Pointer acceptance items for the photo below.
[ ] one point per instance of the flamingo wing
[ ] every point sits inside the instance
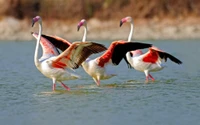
(78, 52)
(121, 49)
(49, 49)
(58, 42)
(165, 55)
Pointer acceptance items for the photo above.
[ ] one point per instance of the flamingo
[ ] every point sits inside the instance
(54, 65)
(97, 68)
(150, 61)
(83, 23)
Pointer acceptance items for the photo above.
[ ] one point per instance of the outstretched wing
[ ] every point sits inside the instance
(165, 55)
(91, 48)
(78, 52)
(121, 49)
(58, 42)
(49, 49)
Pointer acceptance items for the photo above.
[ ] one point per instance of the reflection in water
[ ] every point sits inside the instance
(73, 92)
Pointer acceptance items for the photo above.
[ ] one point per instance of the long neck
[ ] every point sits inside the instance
(128, 56)
(85, 34)
(85, 63)
(36, 60)
(131, 32)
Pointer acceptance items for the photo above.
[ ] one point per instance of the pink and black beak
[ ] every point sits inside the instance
(35, 19)
(81, 23)
(33, 22)
(78, 27)
(121, 23)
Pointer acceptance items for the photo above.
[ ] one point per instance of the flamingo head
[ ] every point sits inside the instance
(126, 19)
(81, 23)
(35, 19)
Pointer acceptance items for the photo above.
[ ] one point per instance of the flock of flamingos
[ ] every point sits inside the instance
(55, 65)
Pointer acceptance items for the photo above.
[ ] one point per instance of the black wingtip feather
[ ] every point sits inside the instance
(164, 55)
(57, 43)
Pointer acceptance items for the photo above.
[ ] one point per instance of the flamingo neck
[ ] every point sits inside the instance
(131, 32)
(85, 63)
(85, 34)
(36, 60)
(128, 54)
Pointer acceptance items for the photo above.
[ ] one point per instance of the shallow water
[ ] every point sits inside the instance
(173, 99)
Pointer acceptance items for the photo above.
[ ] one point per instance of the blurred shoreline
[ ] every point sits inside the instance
(152, 29)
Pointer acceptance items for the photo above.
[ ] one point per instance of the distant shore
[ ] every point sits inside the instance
(154, 29)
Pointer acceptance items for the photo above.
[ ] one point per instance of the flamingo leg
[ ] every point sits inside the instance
(54, 87)
(146, 72)
(147, 79)
(54, 84)
(66, 87)
(97, 82)
(151, 77)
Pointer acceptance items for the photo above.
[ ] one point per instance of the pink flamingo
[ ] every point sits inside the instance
(147, 62)
(53, 65)
(97, 68)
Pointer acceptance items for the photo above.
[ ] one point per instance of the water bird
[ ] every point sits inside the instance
(97, 68)
(150, 61)
(54, 65)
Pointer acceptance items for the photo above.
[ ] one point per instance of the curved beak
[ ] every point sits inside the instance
(33, 22)
(121, 22)
(78, 27)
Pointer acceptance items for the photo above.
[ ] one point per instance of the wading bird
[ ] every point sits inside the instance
(54, 65)
(150, 61)
(97, 68)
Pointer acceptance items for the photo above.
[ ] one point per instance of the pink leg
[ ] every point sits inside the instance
(98, 82)
(66, 87)
(147, 79)
(54, 87)
(151, 77)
